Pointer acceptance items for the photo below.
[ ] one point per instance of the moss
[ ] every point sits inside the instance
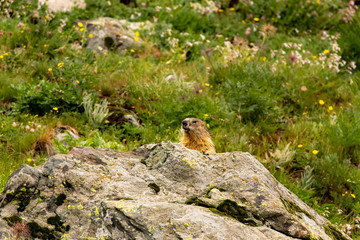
(192, 201)
(155, 187)
(334, 233)
(12, 220)
(23, 203)
(214, 210)
(58, 223)
(232, 209)
(41, 232)
(293, 208)
(60, 199)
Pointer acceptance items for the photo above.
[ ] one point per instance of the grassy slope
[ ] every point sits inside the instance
(267, 78)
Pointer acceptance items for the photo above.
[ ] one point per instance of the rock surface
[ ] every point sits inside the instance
(158, 191)
(62, 5)
(107, 33)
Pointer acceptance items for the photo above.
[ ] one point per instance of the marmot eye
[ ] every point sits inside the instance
(195, 122)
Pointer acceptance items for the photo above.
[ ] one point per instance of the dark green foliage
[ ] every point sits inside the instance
(351, 48)
(302, 15)
(44, 96)
(252, 91)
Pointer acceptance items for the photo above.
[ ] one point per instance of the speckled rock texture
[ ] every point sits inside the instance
(109, 33)
(158, 191)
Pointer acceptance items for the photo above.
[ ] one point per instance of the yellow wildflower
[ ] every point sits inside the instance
(132, 50)
(256, 19)
(55, 109)
(207, 85)
(1, 56)
(91, 36)
(331, 108)
(314, 57)
(264, 58)
(6, 54)
(29, 159)
(248, 58)
(200, 91)
(220, 10)
(80, 24)
(300, 146)
(326, 51)
(45, 45)
(136, 39)
(206, 115)
(315, 152)
(61, 64)
(318, 1)
(232, 9)
(81, 29)
(50, 69)
(321, 102)
(137, 34)
(353, 195)
(77, 81)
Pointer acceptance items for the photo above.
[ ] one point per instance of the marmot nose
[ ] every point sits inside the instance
(184, 123)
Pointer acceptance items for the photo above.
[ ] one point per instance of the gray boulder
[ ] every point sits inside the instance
(158, 191)
(109, 33)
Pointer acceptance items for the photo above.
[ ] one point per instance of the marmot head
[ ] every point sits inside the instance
(194, 126)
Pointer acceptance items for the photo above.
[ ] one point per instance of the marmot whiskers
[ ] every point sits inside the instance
(196, 136)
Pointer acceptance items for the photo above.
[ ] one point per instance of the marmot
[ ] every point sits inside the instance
(196, 136)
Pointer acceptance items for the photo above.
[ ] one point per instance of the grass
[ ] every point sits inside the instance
(284, 89)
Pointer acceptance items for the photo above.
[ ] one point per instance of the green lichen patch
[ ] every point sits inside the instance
(293, 208)
(11, 220)
(155, 187)
(211, 187)
(334, 233)
(60, 199)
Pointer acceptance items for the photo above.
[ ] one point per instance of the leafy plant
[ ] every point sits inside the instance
(96, 113)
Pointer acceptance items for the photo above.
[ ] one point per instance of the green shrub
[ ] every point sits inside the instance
(351, 48)
(46, 97)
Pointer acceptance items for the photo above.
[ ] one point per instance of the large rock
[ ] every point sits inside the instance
(109, 33)
(159, 191)
(62, 5)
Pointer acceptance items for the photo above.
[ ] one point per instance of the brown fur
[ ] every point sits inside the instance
(196, 136)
